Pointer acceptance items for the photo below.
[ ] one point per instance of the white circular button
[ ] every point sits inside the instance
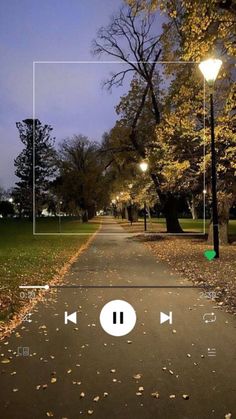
(118, 318)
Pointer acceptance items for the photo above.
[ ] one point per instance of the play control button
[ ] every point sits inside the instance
(117, 318)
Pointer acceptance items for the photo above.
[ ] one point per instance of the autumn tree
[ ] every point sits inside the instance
(192, 31)
(131, 37)
(82, 184)
(174, 147)
(190, 35)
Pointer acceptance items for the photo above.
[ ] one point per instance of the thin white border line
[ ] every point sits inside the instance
(113, 62)
(204, 156)
(128, 234)
(33, 154)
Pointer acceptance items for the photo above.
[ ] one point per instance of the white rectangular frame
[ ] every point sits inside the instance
(99, 233)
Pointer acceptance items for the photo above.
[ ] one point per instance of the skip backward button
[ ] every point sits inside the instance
(70, 317)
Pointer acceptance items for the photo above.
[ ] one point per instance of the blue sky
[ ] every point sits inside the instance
(69, 97)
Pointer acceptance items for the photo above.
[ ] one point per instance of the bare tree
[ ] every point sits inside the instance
(131, 39)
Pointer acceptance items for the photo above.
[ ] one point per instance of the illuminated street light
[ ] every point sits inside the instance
(143, 166)
(210, 69)
(10, 200)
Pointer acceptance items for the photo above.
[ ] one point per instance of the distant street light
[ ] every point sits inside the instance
(10, 200)
(210, 69)
(144, 166)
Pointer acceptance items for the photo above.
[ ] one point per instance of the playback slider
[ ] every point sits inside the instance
(44, 287)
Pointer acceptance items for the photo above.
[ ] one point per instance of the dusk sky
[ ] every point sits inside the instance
(68, 96)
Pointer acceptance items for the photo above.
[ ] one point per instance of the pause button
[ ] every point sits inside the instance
(117, 318)
(121, 317)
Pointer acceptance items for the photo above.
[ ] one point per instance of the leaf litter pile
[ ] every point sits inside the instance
(186, 256)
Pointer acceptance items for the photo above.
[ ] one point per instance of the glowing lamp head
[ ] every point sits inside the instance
(143, 166)
(210, 69)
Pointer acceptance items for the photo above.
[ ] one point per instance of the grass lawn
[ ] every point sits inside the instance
(28, 259)
(195, 225)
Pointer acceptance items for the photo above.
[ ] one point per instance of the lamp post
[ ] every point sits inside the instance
(210, 69)
(144, 166)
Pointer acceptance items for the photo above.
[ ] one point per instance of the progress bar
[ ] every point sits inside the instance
(47, 287)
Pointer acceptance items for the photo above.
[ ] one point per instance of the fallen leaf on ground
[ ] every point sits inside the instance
(155, 394)
(5, 361)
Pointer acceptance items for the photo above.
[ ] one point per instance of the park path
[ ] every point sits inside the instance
(70, 365)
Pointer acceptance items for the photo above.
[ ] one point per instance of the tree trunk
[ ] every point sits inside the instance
(91, 212)
(85, 216)
(169, 206)
(223, 232)
(192, 205)
(170, 211)
(224, 205)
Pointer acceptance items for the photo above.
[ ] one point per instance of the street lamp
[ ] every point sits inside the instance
(210, 69)
(144, 166)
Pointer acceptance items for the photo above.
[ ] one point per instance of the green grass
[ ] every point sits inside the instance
(62, 225)
(195, 225)
(29, 259)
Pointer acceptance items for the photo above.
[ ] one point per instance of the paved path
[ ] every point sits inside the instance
(171, 359)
